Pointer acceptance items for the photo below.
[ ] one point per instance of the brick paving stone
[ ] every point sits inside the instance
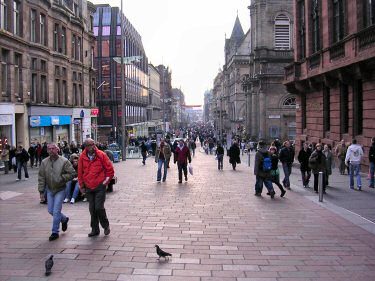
(213, 225)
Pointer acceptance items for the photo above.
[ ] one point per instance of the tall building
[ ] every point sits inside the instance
(154, 106)
(48, 78)
(333, 74)
(165, 94)
(107, 29)
(270, 107)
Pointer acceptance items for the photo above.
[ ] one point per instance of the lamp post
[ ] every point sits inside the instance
(123, 108)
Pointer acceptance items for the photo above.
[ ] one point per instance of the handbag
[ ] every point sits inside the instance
(190, 169)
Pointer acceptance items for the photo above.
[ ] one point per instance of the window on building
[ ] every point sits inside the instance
(326, 109)
(338, 14)
(106, 30)
(16, 18)
(42, 30)
(274, 132)
(57, 70)
(34, 78)
(33, 26)
(358, 107)
(43, 89)
(282, 32)
(63, 40)
(4, 15)
(56, 38)
(57, 92)
(34, 64)
(106, 91)
(18, 76)
(344, 108)
(290, 102)
(80, 95)
(105, 69)
(302, 29)
(79, 51)
(91, 23)
(43, 65)
(368, 12)
(315, 19)
(92, 57)
(292, 132)
(5, 75)
(75, 94)
(64, 72)
(73, 47)
(64, 93)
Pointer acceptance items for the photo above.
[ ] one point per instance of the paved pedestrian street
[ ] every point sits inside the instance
(214, 226)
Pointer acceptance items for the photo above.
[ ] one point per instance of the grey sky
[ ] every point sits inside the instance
(187, 36)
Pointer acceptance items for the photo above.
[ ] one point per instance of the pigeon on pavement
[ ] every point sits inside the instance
(161, 253)
(49, 264)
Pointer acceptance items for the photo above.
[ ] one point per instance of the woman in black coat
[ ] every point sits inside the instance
(234, 155)
(317, 163)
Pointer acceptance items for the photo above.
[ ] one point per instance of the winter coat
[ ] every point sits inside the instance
(354, 154)
(287, 155)
(22, 156)
(5, 155)
(92, 173)
(182, 155)
(55, 175)
(340, 151)
(371, 155)
(31, 151)
(234, 154)
(329, 162)
(219, 150)
(143, 148)
(43, 152)
(167, 152)
(317, 162)
(258, 166)
(303, 159)
(275, 162)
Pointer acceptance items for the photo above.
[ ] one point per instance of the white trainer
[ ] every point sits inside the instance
(66, 200)
(72, 201)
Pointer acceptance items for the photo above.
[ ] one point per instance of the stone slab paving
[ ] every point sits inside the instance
(213, 225)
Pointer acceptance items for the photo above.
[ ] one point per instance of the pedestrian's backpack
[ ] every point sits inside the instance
(267, 163)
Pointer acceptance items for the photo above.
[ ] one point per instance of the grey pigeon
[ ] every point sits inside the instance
(49, 264)
(161, 253)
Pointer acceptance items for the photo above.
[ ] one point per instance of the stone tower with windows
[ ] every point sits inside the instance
(270, 108)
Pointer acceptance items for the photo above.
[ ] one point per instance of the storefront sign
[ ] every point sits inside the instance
(55, 120)
(35, 121)
(82, 114)
(95, 112)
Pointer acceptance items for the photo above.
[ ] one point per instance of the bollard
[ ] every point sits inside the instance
(248, 152)
(320, 186)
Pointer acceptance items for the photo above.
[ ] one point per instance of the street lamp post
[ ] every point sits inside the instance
(123, 109)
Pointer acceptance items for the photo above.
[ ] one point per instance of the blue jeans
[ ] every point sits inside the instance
(220, 161)
(287, 168)
(193, 149)
(259, 184)
(144, 156)
(372, 168)
(19, 166)
(68, 189)
(55, 202)
(305, 174)
(354, 170)
(162, 162)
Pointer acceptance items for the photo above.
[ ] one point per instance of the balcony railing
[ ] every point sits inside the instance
(337, 51)
(366, 37)
(314, 60)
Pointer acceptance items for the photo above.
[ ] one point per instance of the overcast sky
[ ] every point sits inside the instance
(187, 36)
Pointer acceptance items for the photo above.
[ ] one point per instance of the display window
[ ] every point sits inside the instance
(41, 134)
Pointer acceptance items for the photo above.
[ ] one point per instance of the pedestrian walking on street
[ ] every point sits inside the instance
(144, 152)
(95, 171)
(234, 155)
(32, 153)
(275, 173)
(5, 158)
(317, 163)
(44, 152)
(371, 158)
(54, 172)
(340, 152)
(22, 157)
(182, 156)
(38, 155)
(12, 159)
(354, 155)
(329, 162)
(163, 154)
(263, 174)
(303, 158)
(287, 159)
(220, 155)
(193, 147)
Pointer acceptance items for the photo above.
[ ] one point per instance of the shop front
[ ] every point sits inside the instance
(7, 129)
(49, 129)
(84, 124)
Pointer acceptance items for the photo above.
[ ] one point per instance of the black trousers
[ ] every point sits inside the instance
(182, 166)
(96, 198)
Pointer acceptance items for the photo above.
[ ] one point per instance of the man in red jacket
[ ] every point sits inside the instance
(181, 155)
(95, 170)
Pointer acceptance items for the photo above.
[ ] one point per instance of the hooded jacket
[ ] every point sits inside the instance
(354, 154)
(92, 173)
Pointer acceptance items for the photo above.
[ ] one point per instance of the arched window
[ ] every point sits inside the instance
(290, 102)
(282, 32)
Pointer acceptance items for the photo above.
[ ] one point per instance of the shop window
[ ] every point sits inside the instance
(274, 132)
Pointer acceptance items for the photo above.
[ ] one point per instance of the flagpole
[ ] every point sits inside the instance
(123, 109)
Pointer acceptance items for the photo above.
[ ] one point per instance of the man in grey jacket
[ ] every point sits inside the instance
(54, 172)
(262, 177)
